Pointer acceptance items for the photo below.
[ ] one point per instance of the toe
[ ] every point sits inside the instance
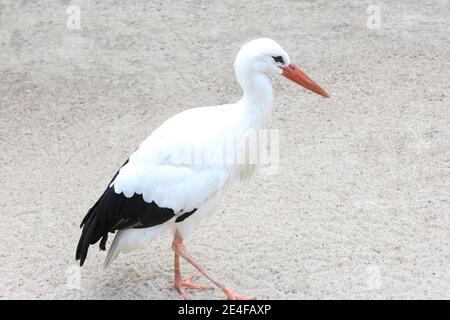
(183, 293)
(181, 284)
(191, 285)
(231, 295)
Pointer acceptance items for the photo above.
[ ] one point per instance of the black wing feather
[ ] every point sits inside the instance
(113, 212)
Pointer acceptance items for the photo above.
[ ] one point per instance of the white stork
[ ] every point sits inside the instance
(157, 189)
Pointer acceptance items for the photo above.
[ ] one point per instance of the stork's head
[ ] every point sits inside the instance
(266, 56)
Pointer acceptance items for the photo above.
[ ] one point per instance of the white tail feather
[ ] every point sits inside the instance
(128, 240)
(113, 251)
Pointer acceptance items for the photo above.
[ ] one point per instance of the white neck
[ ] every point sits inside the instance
(257, 97)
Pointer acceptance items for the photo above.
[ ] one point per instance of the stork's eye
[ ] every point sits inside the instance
(278, 59)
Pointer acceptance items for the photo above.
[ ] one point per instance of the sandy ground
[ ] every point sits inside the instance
(359, 209)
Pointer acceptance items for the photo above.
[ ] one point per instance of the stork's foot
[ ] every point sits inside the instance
(231, 295)
(181, 284)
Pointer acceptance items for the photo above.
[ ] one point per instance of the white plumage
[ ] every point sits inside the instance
(177, 166)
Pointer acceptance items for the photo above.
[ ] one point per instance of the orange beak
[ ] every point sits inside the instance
(292, 72)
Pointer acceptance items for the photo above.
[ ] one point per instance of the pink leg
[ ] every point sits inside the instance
(179, 249)
(181, 284)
